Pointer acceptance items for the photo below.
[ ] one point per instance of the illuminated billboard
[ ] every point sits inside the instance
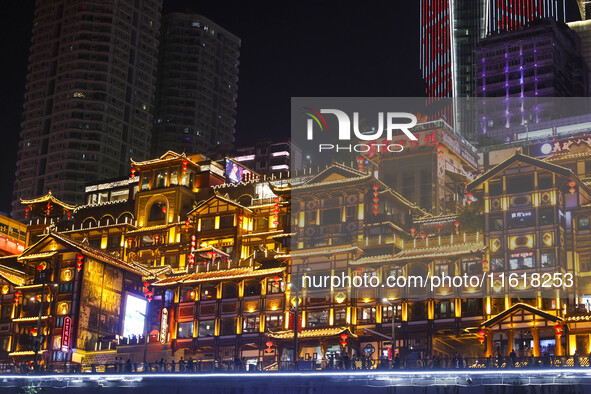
(135, 315)
(234, 171)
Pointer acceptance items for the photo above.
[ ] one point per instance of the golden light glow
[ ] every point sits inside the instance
(5, 289)
(63, 308)
(340, 297)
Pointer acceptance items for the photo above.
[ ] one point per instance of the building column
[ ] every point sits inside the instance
(489, 343)
(510, 336)
(558, 346)
(535, 332)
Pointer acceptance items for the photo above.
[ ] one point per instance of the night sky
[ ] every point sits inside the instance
(289, 49)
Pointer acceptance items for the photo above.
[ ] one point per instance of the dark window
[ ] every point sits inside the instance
(331, 216)
(496, 223)
(228, 327)
(546, 216)
(520, 184)
(251, 324)
(472, 307)
(67, 287)
(583, 223)
(544, 182)
(227, 221)
(521, 219)
(157, 212)
(207, 224)
(495, 188)
(274, 323)
(229, 290)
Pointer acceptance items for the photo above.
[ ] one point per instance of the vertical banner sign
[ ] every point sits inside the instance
(66, 334)
(164, 326)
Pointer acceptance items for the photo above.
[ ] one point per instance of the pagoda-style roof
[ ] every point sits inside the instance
(521, 158)
(168, 157)
(340, 175)
(313, 333)
(41, 248)
(228, 274)
(11, 274)
(48, 198)
(520, 308)
(217, 197)
(406, 255)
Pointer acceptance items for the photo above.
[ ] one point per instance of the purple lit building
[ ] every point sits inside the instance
(541, 60)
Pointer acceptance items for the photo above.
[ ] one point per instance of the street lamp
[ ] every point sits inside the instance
(393, 327)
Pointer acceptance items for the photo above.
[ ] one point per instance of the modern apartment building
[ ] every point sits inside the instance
(89, 95)
(197, 86)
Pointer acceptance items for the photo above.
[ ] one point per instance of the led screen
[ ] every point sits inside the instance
(135, 316)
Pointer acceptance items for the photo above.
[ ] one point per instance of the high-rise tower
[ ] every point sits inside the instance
(89, 95)
(197, 86)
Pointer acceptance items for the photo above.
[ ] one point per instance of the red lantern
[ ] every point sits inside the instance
(375, 187)
(276, 279)
(187, 224)
(26, 212)
(457, 226)
(481, 333)
(344, 337)
(69, 215)
(40, 267)
(276, 200)
(375, 211)
(413, 231)
(17, 296)
(269, 344)
(33, 332)
(423, 235)
(572, 189)
(133, 170)
(79, 258)
(344, 343)
(185, 162)
(149, 295)
(481, 339)
(360, 163)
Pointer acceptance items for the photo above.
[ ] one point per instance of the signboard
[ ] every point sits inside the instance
(66, 334)
(164, 326)
(291, 320)
(369, 349)
(135, 316)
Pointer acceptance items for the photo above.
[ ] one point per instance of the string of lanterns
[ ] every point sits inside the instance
(375, 199)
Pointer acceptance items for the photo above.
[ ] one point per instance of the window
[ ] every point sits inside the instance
(311, 218)
(443, 269)
(520, 184)
(471, 306)
(340, 316)
(317, 318)
(274, 323)
(229, 290)
(583, 223)
(495, 188)
(157, 212)
(275, 286)
(472, 267)
(185, 330)
(497, 264)
(331, 216)
(351, 213)
(251, 324)
(546, 216)
(547, 259)
(521, 219)
(161, 179)
(227, 221)
(207, 224)
(252, 288)
(366, 314)
(496, 223)
(174, 177)
(544, 182)
(518, 261)
(228, 326)
(444, 309)
(67, 287)
(206, 328)
(208, 292)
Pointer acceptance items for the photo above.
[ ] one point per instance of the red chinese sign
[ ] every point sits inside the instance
(66, 334)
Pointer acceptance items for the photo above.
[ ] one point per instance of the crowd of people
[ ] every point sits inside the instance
(331, 362)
